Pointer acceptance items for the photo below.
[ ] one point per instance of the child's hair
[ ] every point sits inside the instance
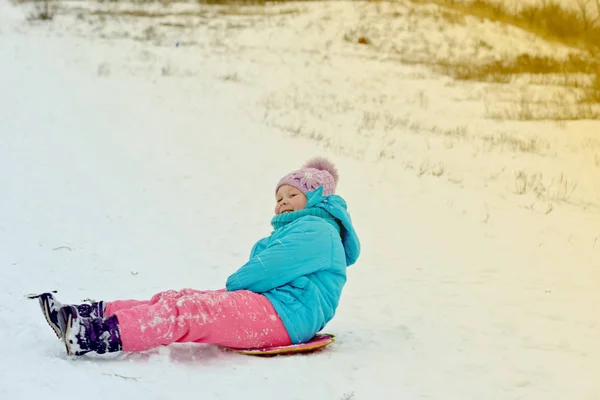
(317, 172)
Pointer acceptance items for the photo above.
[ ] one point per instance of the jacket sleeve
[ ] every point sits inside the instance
(307, 248)
(258, 247)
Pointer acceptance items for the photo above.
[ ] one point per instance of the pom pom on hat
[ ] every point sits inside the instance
(323, 164)
(317, 172)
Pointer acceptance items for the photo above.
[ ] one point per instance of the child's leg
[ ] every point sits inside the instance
(117, 305)
(240, 319)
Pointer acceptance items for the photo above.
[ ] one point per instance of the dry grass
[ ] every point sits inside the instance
(231, 77)
(533, 145)
(527, 105)
(579, 27)
(258, 11)
(436, 170)
(547, 18)
(243, 2)
(232, 8)
(207, 2)
(526, 111)
(559, 189)
(593, 91)
(145, 13)
(502, 71)
(43, 10)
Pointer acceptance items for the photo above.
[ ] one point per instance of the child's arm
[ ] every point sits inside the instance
(306, 249)
(258, 247)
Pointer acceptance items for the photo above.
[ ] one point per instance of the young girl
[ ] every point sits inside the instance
(286, 293)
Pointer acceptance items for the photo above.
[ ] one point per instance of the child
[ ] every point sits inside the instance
(286, 293)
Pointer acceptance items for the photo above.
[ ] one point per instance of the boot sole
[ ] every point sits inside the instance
(46, 312)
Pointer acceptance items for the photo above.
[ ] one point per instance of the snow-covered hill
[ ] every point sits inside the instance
(139, 154)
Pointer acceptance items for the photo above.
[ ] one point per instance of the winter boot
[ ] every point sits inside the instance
(82, 335)
(50, 307)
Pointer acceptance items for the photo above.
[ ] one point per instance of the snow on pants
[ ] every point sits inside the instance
(239, 319)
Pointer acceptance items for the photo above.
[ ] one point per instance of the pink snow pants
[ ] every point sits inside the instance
(240, 319)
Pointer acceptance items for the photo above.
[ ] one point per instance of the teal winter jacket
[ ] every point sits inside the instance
(301, 266)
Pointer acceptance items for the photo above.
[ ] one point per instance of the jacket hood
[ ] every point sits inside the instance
(336, 206)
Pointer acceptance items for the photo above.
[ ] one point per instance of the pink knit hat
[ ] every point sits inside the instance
(316, 172)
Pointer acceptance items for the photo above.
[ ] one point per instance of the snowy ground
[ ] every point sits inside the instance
(131, 165)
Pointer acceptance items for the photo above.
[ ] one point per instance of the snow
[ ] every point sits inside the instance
(131, 166)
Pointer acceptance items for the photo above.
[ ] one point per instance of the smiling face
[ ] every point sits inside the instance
(289, 199)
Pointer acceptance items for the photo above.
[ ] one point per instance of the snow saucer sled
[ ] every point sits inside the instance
(319, 341)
